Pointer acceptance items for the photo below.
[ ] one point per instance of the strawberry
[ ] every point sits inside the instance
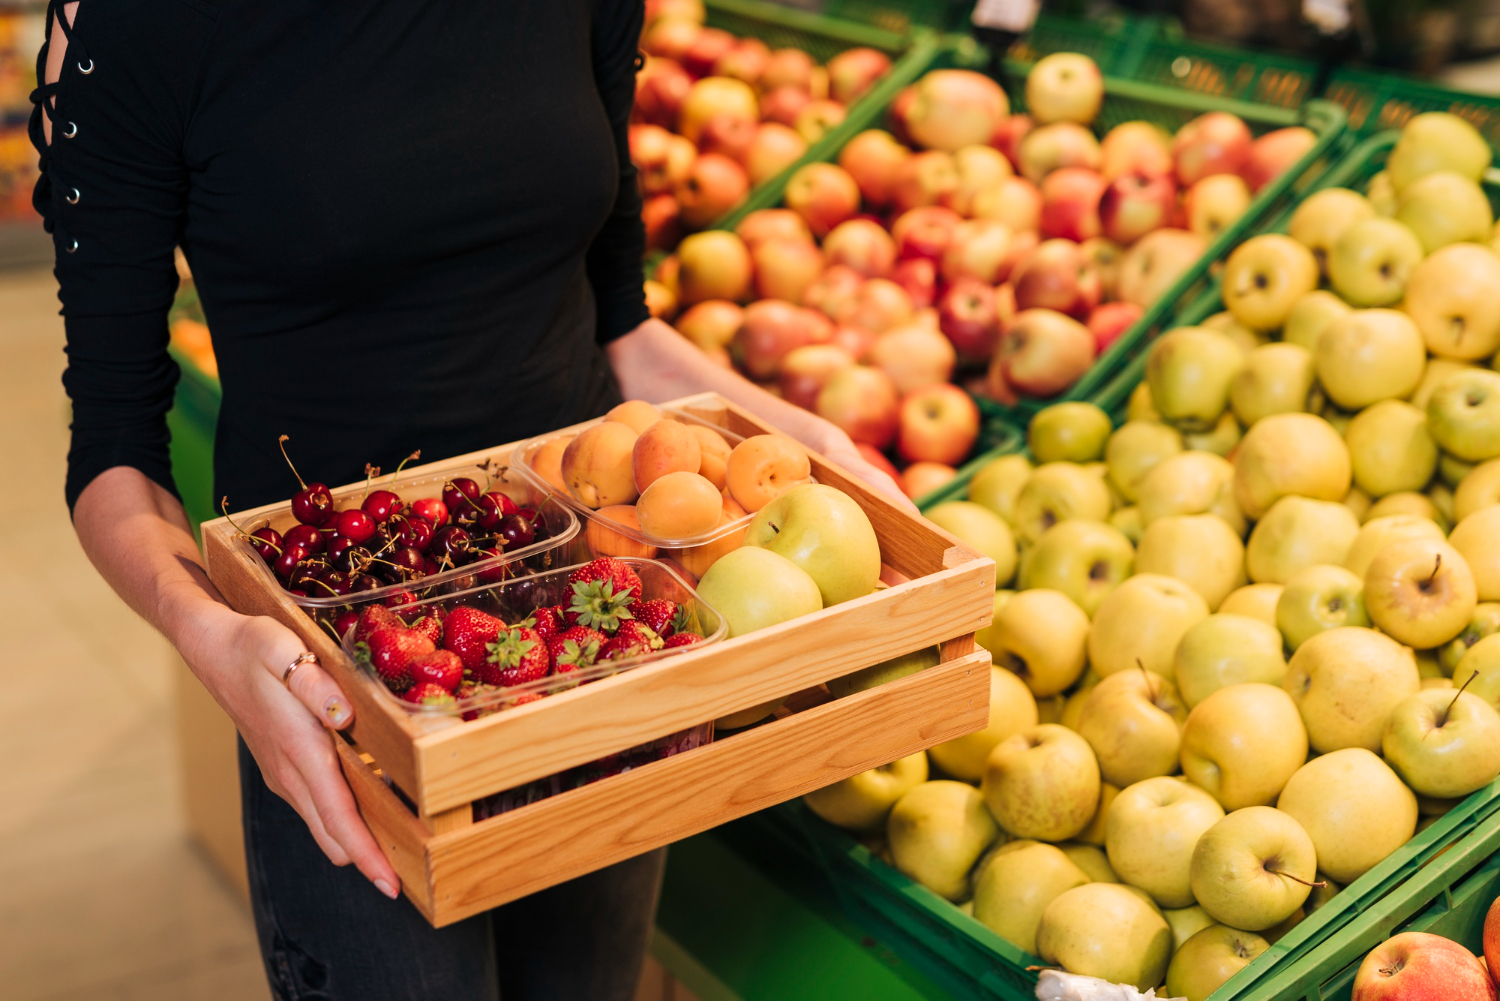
(430, 626)
(658, 613)
(621, 647)
(469, 632)
(375, 617)
(638, 632)
(603, 592)
(441, 668)
(522, 699)
(548, 621)
(391, 651)
(681, 639)
(575, 648)
(429, 694)
(517, 656)
(608, 569)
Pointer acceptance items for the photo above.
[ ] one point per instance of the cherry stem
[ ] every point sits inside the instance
(472, 502)
(1436, 566)
(410, 458)
(331, 631)
(325, 584)
(1442, 720)
(252, 539)
(370, 473)
(1320, 884)
(281, 443)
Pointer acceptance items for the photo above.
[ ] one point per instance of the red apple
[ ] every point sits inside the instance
(862, 402)
(774, 148)
(1070, 204)
(925, 178)
(924, 232)
(1154, 263)
(921, 478)
(937, 424)
(1491, 940)
(728, 135)
(710, 265)
(817, 119)
(914, 356)
(661, 302)
(1136, 203)
(706, 50)
(823, 194)
(771, 224)
(900, 111)
(660, 88)
(1274, 153)
(1105, 256)
(1043, 352)
(1135, 148)
(805, 370)
(1109, 321)
(771, 328)
(1215, 143)
(834, 291)
(853, 72)
(789, 68)
(1057, 276)
(876, 458)
(1007, 138)
(857, 341)
(861, 245)
(1015, 201)
(967, 315)
(711, 324)
(873, 158)
(955, 108)
(662, 160)
(878, 305)
(1416, 966)
(980, 248)
(783, 104)
(690, 10)
(670, 36)
(918, 276)
(715, 185)
(661, 215)
(713, 96)
(1053, 147)
(745, 61)
(785, 269)
(981, 169)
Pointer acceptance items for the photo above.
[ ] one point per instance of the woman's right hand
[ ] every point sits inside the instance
(287, 729)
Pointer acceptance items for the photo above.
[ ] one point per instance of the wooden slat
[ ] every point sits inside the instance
(400, 834)
(519, 853)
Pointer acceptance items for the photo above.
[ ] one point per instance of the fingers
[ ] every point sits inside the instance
(339, 816)
(321, 695)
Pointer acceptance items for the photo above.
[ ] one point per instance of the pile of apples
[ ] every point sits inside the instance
(1012, 247)
(715, 115)
(1255, 644)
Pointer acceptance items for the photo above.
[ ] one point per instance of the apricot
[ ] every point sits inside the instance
(697, 559)
(605, 541)
(678, 506)
(546, 460)
(763, 467)
(667, 446)
(596, 465)
(713, 454)
(637, 415)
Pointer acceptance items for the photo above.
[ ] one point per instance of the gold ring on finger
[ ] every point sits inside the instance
(305, 657)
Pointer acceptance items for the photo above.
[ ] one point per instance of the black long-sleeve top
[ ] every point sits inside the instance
(412, 224)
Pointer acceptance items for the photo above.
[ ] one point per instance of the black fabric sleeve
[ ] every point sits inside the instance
(112, 193)
(614, 258)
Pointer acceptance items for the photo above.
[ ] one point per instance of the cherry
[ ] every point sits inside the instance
(335, 581)
(286, 563)
(496, 574)
(337, 547)
(269, 546)
(453, 542)
(492, 507)
(400, 598)
(306, 536)
(430, 566)
(356, 525)
(381, 504)
(414, 531)
(459, 494)
(313, 504)
(364, 582)
(306, 576)
(407, 559)
(432, 509)
(516, 531)
(344, 621)
(529, 513)
(466, 517)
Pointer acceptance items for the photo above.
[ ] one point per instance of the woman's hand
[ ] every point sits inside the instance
(653, 362)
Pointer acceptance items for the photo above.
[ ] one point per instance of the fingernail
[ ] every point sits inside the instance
(336, 711)
(385, 888)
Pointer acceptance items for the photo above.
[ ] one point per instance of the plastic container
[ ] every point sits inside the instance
(562, 527)
(517, 598)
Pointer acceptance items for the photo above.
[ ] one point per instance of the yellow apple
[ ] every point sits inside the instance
(1189, 371)
(1443, 743)
(1391, 449)
(1477, 539)
(1139, 407)
(1225, 650)
(1258, 601)
(1312, 314)
(1407, 502)
(998, 483)
(1264, 277)
(1319, 598)
(1297, 533)
(1242, 743)
(1133, 721)
(1353, 807)
(1484, 622)
(1479, 488)
(1345, 682)
(1420, 592)
(1134, 449)
(1377, 533)
(1140, 623)
(1276, 379)
(1127, 520)
(1042, 783)
(936, 832)
(1068, 432)
(1322, 218)
(1478, 671)
(1085, 560)
(1057, 492)
(1253, 869)
(1464, 414)
(1091, 859)
(982, 529)
(822, 530)
(1372, 260)
(754, 588)
(1094, 833)
(1450, 298)
(1205, 962)
(1041, 636)
(1012, 709)
(1433, 375)
(1199, 549)
(1152, 829)
(1434, 141)
(1220, 440)
(1368, 356)
(1290, 454)
(1190, 483)
(1107, 931)
(862, 802)
(1017, 883)
(1444, 208)
(1186, 922)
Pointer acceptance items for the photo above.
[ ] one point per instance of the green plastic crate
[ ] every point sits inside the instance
(1377, 100)
(893, 15)
(1107, 40)
(1263, 76)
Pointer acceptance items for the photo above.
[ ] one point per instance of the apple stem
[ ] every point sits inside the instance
(410, 458)
(1150, 688)
(281, 443)
(1443, 719)
(1436, 566)
(254, 540)
(370, 473)
(1320, 884)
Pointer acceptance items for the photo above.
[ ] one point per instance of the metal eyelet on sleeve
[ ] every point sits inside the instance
(72, 246)
(73, 198)
(90, 69)
(70, 131)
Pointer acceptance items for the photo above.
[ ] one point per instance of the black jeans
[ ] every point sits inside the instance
(326, 934)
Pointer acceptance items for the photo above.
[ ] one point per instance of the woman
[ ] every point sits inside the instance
(412, 225)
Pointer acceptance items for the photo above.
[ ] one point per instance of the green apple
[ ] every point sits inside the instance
(1016, 885)
(1377, 533)
(1322, 218)
(1449, 297)
(1206, 961)
(1127, 520)
(1041, 636)
(984, 530)
(1345, 682)
(1258, 601)
(1443, 743)
(1012, 709)
(1368, 356)
(1091, 859)
(1464, 414)
(862, 802)
(1220, 440)
(1434, 141)
(936, 832)
(1290, 454)
(1140, 406)
(1185, 922)
(1264, 277)
(998, 483)
(1297, 533)
(1243, 337)
(873, 677)
(1391, 448)
(1478, 488)
(1453, 471)
(1433, 375)
(1372, 260)
(753, 588)
(1133, 721)
(1312, 314)
(1444, 208)
(1478, 671)
(1275, 932)
(1198, 549)
(1190, 483)
(1152, 829)
(1140, 623)
(1042, 783)
(826, 533)
(1355, 809)
(1242, 743)
(1085, 560)
(1225, 650)
(1189, 371)
(1407, 502)
(1057, 492)
(1319, 598)
(1477, 539)
(1276, 379)
(1134, 449)
(1252, 869)
(1068, 432)
(1094, 833)
(1484, 622)
(1420, 592)
(1107, 931)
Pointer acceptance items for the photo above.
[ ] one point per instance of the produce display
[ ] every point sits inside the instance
(716, 115)
(1254, 641)
(1000, 251)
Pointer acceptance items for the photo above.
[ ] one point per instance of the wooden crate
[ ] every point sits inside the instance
(452, 867)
